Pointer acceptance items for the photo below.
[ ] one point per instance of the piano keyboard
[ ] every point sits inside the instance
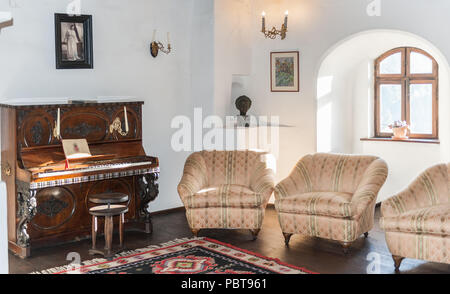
(95, 168)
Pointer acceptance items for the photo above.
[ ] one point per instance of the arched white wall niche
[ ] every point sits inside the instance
(345, 89)
(239, 87)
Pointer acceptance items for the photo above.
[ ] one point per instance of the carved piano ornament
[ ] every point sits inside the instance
(47, 202)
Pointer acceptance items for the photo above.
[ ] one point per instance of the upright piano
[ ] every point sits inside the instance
(48, 200)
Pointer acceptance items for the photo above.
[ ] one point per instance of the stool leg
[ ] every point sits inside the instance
(108, 235)
(122, 220)
(94, 231)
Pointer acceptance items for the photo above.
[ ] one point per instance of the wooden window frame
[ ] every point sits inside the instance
(405, 79)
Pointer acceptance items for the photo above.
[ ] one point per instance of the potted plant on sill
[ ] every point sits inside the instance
(400, 130)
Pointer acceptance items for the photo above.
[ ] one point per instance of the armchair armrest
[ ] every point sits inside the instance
(263, 180)
(393, 206)
(298, 181)
(195, 176)
(372, 181)
(430, 188)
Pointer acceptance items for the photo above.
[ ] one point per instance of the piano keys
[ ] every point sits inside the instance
(47, 202)
(58, 175)
(97, 167)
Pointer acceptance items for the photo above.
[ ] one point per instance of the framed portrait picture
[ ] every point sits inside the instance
(73, 41)
(284, 67)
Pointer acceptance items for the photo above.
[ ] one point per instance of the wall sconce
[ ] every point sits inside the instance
(274, 32)
(156, 46)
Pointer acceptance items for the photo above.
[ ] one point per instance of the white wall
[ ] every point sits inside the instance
(349, 67)
(170, 85)
(202, 55)
(315, 26)
(232, 49)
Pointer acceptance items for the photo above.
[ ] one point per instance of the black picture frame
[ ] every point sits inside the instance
(81, 53)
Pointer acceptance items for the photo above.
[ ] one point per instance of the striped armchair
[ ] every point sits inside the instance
(417, 220)
(330, 196)
(226, 189)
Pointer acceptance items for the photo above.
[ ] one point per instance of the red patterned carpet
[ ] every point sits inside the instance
(185, 256)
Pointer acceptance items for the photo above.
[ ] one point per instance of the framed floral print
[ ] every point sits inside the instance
(73, 41)
(284, 67)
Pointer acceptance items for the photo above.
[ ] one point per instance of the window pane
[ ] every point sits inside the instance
(390, 106)
(421, 108)
(392, 64)
(421, 64)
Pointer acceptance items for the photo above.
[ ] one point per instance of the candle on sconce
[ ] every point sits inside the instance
(58, 124)
(263, 21)
(168, 38)
(286, 18)
(154, 36)
(126, 119)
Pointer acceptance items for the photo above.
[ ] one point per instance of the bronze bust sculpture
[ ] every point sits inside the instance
(243, 104)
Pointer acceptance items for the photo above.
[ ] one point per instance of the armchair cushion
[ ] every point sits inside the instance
(336, 204)
(224, 196)
(431, 220)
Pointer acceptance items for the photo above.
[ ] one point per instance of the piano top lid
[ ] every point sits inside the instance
(64, 102)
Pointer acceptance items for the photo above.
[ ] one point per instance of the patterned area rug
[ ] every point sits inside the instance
(185, 256)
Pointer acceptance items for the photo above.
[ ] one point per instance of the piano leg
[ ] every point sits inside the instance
(148, 226)
(26, 210)
(149, 190)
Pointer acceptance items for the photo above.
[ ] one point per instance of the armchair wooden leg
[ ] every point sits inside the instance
(255, 233)
(287, 238)
(195, 232)
(397, 262)
(366, 235)
(346, 246)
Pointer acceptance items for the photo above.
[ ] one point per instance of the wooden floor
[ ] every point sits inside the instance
(314, 254)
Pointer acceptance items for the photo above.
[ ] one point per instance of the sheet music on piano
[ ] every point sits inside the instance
(75, 149)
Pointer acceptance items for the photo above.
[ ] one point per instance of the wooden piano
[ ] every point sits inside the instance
(47, 201)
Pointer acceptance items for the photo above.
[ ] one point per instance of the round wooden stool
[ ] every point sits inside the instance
(108, 198)
(110, 208)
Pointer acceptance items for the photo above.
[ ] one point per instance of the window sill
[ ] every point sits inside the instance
(410, 140)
